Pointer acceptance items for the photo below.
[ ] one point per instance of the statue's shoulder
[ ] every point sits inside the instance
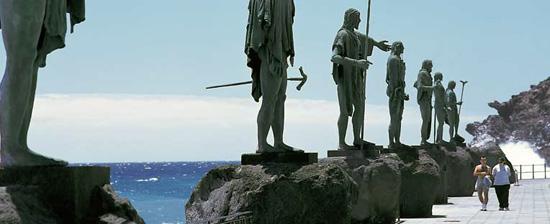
(394, 59)
(343, 33)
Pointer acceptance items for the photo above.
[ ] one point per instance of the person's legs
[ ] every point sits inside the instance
(440, 122)
(426, 112)
(342, 119)
(393, 122)
(357, 121)
(486, 196)
(22, 22)
(270, 88)
(279, 116)
(505, 196)
(499, 192)
(399, 117)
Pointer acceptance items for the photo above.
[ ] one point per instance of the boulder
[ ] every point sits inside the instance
(61, 195)
(440, 155)
(335, 190)
(420, 180)
(22, 204)
(274, 193)
(112, 209)
(379, 184)
(460, 167)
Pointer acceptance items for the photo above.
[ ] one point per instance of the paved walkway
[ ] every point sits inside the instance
(529, 203)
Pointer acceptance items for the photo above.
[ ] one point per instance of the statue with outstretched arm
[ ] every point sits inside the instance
(348, 65)
(31, 29)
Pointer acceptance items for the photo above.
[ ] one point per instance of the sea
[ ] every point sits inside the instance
(160, 190)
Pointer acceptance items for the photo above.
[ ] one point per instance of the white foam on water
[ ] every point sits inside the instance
(523, 153)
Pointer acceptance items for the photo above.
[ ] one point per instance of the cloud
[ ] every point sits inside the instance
(117, 127)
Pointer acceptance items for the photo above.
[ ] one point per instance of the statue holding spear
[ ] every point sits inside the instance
(349, 57)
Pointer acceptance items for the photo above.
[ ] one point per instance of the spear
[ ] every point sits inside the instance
(365, 75)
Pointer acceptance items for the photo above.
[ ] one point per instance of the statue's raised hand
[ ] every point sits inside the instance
(383, 45)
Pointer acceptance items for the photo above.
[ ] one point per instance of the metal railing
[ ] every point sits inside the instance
(237, 218)
(533, 171)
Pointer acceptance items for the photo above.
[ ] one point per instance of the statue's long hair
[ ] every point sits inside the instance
(349, 15)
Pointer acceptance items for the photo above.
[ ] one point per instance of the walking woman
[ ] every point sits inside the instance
(483, 183)
(502, 174)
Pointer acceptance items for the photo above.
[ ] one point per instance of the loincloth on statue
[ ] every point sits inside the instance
(54, 27)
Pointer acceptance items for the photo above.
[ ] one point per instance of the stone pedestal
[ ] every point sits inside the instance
(371, 152)
(279, 157)
(66, 190)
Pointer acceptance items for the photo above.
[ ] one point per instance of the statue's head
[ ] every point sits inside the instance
(438, 76)
(352, 18)
(451, 85)
(427, 65)
(397, 48)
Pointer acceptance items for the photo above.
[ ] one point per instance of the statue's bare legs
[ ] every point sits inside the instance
(396, 115)
(357, 119)
(342, 120)
(21, 28)
(440, 113)
(426, 112)
(272, 110)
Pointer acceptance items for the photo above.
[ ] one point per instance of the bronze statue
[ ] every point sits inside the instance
(439, 106)
(452, 110)
(31, 30)
(348, 65)
(395, 78)
(424, 98)
(270, 47)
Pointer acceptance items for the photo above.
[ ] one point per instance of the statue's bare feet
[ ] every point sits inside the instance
(265, 148)
(345, 147)
(24, 157)
(282, 147)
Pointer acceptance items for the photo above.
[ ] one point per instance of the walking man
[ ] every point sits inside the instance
(483, 182)
(502, 174)
(349, 64)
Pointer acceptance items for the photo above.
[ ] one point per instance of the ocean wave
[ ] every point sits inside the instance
(152, 179)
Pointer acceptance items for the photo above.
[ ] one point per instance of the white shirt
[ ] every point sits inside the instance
(501, 172)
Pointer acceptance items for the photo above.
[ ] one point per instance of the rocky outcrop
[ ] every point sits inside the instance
(420, 180)
(21, 204)
(378, 183)
(61, 195)
(334, 190)
(112, 209)
(460, 167)
(274, 193)
(525, 117)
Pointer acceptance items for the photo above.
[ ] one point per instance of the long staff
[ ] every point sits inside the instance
(365, 76)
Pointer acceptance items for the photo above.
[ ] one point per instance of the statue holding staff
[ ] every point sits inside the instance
(424, 98)
(349, 64)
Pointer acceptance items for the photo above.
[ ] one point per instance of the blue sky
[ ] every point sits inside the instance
(138, 52)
